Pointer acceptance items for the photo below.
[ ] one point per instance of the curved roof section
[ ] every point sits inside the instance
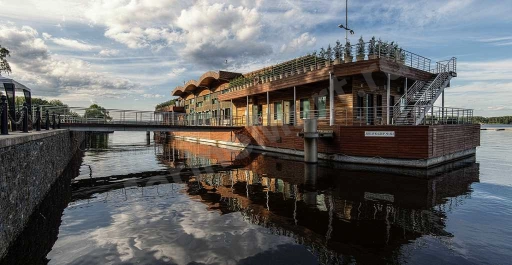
(206, 80)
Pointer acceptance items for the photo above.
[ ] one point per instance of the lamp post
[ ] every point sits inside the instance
(345, 27)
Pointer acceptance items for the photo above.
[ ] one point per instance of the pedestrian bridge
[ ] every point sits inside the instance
(109, 120)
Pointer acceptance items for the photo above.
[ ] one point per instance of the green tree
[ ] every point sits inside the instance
(4, 64)
(165, 104)
(98, 112)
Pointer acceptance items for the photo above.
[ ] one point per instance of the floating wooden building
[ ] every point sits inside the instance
(374, 103)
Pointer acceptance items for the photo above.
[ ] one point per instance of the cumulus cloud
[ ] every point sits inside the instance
(303, 41)
(73, 44)
(108, 52)
(208, 33)
(37, 67)
(152, 96)
(177, 72)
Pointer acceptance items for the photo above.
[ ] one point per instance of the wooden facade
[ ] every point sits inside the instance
(360, 86)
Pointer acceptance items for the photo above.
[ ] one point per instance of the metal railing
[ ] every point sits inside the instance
(428, 115)
(425, 93)
(52, 117)
(333, 56)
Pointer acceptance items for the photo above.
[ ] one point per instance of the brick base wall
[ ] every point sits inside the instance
(410, 142)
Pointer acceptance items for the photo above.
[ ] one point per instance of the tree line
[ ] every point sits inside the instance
(93, 111)
(493, 120)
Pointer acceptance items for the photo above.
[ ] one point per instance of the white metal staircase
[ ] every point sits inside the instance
(413, 106)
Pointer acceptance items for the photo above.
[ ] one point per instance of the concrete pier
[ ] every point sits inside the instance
(310, 141)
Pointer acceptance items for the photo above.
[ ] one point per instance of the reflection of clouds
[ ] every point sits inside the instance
(170, 226)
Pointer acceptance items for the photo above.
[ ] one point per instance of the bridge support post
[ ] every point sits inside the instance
(3, 115)
(310, 143)
(148, 137)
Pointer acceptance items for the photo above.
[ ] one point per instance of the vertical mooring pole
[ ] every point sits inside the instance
(3, 115)
(148, 137)
(38, 119)
(310, 141)
(25, 118)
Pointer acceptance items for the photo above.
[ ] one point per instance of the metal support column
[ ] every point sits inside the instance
(388, 98)
(294, 106)
(247, 112)
(442, 106)
(231, 113)
(405, 88)
(331, 99)
(268, 109)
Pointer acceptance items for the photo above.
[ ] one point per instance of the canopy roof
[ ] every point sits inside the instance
(17, 85)
(206, 80)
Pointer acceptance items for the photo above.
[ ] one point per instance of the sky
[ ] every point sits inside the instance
(130, 54)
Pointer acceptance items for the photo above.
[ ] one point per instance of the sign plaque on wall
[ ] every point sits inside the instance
(379, 134)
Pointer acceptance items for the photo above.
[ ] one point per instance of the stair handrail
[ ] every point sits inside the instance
(449, 65)
(410, 92)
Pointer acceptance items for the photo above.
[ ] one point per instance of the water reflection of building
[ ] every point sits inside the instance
(341, 212)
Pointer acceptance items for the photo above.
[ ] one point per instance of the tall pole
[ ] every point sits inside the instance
(346, 21)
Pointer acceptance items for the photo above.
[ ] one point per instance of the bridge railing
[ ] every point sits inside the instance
(80, 115)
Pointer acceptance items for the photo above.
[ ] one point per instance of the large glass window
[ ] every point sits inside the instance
(304, 108)
(278, 110)
(321, 106)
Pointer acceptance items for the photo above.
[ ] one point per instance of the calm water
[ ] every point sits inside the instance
(131, 202)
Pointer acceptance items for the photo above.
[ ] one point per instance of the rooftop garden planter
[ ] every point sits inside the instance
(372, 49)
(338, 53)
(360, 50)
(348, 52)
